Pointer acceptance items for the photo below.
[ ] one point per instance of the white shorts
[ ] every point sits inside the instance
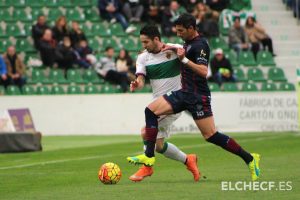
(164, 125)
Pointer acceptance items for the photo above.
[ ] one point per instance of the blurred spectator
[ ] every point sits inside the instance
(38, 30)
(111, 11)
(189, 5)
(3, 72)
(107, 69)
(221, 68)
(60, 30)
(238, 39)
(154, 8)
(65, 55)
(170, 14)
(47, 48)
(257, 33)
(76, 34)
(217, 5)
(82, 52)
(133, 10)
(124, 64)
(15, 67)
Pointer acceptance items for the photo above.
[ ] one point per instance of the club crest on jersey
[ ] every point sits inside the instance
(168, 55)
(202, 53)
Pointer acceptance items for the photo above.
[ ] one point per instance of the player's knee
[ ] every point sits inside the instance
(143, 133)
(151, 118)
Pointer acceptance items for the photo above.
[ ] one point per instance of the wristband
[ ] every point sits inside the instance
(185, 60)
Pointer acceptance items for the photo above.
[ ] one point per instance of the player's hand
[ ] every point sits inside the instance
(134, 84)
(180, 53)
(166, 47)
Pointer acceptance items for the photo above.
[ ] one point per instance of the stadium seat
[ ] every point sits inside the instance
(35, 3)
(54, 14)
(75, 15)
(2, 90)
(276, 74)
(14, 30)
(4, 44)
(3, 35)
(91, 15)
(52, 4)
(57, 89)
(117, 30)
(246, 58)
(238, 5)
(3, 4)
(24, 45)
(265, 58)
(90, 76)
(268, 87)
(13, 90)
(110, 42)
(87, 30)
(249, 87)
(230, 87)
(57, 76)
(28, 90)
(74, 89)
(81, 3)
(42, 90)
(214, 87)
(65, 3)
(287, 87)
(218, 42)
(5, 15)
(17, 3)
(128, 44)
(109, 89)
(21, 15)
(35, 13)
(98, 29)
(232, 57)
(240, 74)
(91, 89)
(94, 44)
(74, 76)
(256, 75)
(38, 76)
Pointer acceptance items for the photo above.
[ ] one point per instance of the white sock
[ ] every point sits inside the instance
(171, 151)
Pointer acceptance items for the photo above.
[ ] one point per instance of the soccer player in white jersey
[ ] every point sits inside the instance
(163, 70)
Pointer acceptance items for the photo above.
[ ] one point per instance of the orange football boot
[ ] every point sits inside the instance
(142, 173)
(191, 165)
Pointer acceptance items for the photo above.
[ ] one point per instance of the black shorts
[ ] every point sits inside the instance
(197, 105)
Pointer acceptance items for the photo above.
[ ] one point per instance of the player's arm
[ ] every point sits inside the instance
(199, 68)
(138, 83)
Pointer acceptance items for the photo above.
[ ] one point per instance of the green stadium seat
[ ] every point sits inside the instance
(28, 90)
(2, 90)
(38, 76)
(91, 89)
(74, 76)
(265, 58)
(35, 13)
(21, 15)
(238, 5)
(94, 44)
(256, 75)
(80, 3)
(91, 15)
(240, 74)
(276, 74)
(287, 87)
(109, 89)
(230, 87)
(4, 4)
(74, 15)
(175, 40)
(54, 14)
(214, 87)
(128, 44)
(218, 42)
(5, 15)
(65, 3)
(57, 76)
(110, 42)
(117, 30)
(14, 30)
(13, 90)
(3, 34)
(42, 90)
(232, 57)
(35, 3)
(52, 4)
(98, 29)
(87, 30)
(249, 87)
(247, 58)
(94, 2)
(17, 3)
(4, 44)
(57, 90)
(74, 89)
(24, 45)
(90, 76)
(268, 87)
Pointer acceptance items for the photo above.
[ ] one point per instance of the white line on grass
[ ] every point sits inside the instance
(112, 155)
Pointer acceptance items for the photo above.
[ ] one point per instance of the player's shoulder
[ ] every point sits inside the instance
(142, 56)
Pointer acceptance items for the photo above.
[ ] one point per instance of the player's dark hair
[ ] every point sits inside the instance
(108, 48)
(186, 20)
(151, 31)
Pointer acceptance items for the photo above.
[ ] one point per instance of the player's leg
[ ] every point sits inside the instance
(209, 132)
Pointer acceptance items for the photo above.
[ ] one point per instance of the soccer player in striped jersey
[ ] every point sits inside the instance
(163, 70)
(193, 97)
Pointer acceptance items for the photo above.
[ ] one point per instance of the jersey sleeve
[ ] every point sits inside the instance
(140, 66)
(201, 53)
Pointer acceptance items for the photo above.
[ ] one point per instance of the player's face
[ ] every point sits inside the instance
(183, 32)
(148, 44)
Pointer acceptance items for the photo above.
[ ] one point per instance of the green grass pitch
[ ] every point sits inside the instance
(68, 167)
